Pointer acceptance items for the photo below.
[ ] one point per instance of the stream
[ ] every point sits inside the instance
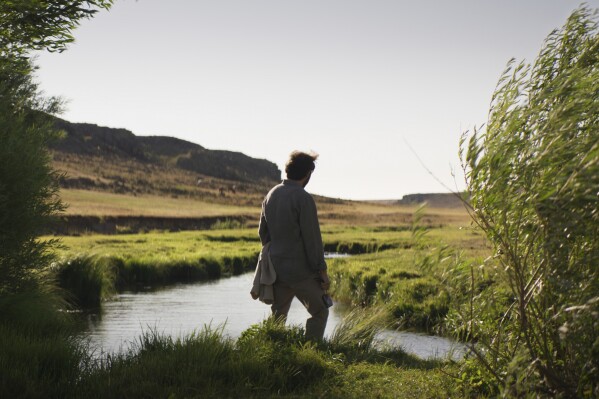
(179, 310)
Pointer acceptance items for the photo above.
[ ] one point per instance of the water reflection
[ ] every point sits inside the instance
(180, 309)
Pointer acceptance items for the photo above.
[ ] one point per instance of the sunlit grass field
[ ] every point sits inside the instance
(99, 203)
(331, 211)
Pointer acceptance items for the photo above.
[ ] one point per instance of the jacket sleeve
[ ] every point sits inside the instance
(310, 230)
(263, 228)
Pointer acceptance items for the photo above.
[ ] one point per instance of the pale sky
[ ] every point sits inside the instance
(355, 81)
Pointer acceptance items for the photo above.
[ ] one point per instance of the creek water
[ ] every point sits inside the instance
(179, 310)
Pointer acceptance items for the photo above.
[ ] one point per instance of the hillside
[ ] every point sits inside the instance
(112, 160)
(115, 181)
(90, 142)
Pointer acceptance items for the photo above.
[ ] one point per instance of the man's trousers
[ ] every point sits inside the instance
(309, 292)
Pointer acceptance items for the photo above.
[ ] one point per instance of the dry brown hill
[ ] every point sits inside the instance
(116, 160)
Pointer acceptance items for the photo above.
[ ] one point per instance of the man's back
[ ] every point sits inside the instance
(290, 222)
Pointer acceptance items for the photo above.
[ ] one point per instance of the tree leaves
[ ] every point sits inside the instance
(534, 181)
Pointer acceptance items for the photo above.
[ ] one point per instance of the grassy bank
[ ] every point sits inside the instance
(92, 267)
(413, 280)
(393, 267)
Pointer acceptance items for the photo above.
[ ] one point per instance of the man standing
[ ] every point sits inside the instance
(290, 223)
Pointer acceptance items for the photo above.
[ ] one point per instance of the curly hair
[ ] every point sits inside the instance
(300, 164)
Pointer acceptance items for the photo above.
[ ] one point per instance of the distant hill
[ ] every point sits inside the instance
(90, 140)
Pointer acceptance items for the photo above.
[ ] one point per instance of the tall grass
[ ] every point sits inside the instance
(416, 298)
(86, 279)
(38, 356)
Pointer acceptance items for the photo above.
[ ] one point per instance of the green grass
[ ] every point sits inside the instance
(396, 268)
(268, 360)
(411, 279)
(38, 356)
(92, 267)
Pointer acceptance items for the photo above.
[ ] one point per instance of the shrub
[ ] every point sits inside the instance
(533, 179)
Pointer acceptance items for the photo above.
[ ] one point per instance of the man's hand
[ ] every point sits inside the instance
(254, 295)
(324, 278)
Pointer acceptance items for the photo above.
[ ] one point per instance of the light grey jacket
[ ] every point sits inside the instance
(289, 221)
(264, 277)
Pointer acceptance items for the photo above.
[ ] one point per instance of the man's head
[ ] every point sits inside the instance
(300, 165)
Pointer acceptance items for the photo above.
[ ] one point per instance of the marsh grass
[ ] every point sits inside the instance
(416, 299)
(400, 271)
(268, 359)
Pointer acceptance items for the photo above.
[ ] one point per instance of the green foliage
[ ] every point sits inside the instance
(415, 297)
(28, 186)
(227, 224)
(42, 25)
(37, 357)
(533, 179)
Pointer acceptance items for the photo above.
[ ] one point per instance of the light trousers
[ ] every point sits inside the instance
(309, 292)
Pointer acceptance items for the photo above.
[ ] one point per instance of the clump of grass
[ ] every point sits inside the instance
(266, 360)
(417, 299)
(87, 279)
(358, 329)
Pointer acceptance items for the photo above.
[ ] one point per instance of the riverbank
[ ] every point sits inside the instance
(396, 268)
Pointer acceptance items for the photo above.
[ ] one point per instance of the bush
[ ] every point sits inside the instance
(533, 179)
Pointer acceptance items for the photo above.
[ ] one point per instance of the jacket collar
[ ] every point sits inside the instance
(288, 182)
